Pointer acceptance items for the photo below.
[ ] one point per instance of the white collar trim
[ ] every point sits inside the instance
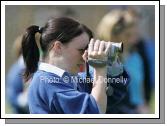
(51, 68)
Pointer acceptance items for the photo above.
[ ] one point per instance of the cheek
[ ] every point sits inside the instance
(74, 57)
(77, 57)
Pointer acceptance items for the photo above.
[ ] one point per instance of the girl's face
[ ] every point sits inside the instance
(73, 52)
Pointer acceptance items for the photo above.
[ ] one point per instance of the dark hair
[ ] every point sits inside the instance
(62, 29)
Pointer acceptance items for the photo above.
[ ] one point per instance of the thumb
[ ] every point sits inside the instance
(85, 55)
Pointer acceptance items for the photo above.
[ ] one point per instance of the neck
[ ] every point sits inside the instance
(56, 61)
(58, 64)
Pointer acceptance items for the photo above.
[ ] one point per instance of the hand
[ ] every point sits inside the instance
(98, 51)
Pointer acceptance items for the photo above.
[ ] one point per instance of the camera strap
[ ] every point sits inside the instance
(90, 84)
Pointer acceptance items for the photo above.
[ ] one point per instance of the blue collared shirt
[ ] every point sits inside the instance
(52, 91)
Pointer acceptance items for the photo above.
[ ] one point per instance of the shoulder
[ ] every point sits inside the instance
(49, 83)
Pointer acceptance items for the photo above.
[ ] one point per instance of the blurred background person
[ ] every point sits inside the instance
(16, 89)
(146, 48)
(121, 25)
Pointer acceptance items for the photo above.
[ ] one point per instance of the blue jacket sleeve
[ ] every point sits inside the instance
(74, 102)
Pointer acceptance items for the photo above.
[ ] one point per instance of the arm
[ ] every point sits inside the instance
(99, 88)
(97, 50)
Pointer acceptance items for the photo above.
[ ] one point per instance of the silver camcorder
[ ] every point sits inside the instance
(114, 49)
(114, 66)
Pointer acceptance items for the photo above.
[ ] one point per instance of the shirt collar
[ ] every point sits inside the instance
(51, 68)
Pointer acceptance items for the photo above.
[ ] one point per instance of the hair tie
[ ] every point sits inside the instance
(40, 29)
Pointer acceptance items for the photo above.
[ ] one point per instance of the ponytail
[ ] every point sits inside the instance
(30, 51)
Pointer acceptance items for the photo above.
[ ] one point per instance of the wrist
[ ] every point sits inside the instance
(101, 71)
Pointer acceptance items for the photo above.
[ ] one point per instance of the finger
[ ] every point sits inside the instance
(108, 47)
(96, 45)
(91, 46)
(102, 46)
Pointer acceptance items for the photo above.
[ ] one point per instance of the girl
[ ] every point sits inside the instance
(63, 43)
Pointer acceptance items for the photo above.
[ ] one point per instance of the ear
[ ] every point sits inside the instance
(57, 47)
